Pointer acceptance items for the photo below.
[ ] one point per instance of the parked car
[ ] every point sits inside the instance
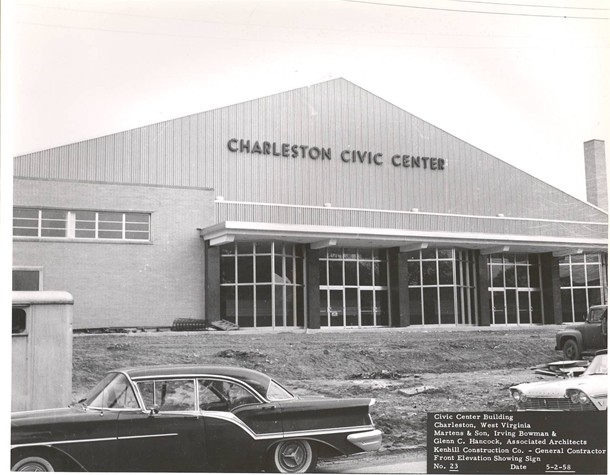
(592, 334)
(191, 418)
(588, 392)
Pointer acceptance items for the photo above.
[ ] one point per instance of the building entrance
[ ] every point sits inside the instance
(515, 289)
(354, 288)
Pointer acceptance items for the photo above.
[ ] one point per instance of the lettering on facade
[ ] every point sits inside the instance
(366, 157)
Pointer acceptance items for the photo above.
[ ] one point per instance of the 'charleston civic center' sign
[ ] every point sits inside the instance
(320, 153)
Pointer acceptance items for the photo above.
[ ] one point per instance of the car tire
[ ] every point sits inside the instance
(293, 456)
(33, 464)
(571, 350)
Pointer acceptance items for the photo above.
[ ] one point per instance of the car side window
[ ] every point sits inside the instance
(216, 395)
(117, 394)
(596, 315)
(168, 395)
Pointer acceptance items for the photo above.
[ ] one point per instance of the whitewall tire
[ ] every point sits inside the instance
(294, 456)
(33, 464)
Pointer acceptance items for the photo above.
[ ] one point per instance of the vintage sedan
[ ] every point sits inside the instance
(588, 392)
(191, 418)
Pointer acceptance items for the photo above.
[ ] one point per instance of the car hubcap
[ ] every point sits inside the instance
(294, 456)
(32, 467)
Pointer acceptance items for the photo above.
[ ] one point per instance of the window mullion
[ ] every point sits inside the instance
(71, 225)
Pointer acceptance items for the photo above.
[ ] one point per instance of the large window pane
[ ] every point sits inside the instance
(415, 306)
(335, 273)
(593, 277)
(367, 308)
(566, 306)
(498, 309)
(511, 306)
(279, 303)
(414, 275)
(227, 303)
(522, 273)
(351, 273)
(263, 269)
(429, 272)
(366, 272)
(430, 306)
(263, 306)
(351, 307)
(445, 272)
(336, 308)
(447, 305)
(322, 269)
(245, 295)
(245, 270)
(381, 307)
(227, 269)
(324, 320)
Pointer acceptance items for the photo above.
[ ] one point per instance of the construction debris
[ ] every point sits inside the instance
(562, 369)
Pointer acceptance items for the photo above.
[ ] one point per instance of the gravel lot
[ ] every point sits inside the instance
(409, 371)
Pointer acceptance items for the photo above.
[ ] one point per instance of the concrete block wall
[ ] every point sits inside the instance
(116, 283)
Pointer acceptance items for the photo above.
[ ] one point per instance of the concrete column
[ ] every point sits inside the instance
(212, 282)
(483, 292)
(399, 288)
(551, 289)
(312, 287)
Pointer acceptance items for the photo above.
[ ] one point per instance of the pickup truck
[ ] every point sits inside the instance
(586, 337)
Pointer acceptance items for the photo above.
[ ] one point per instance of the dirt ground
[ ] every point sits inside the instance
(408, 371)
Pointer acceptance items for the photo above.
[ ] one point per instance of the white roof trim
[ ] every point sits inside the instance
(318, 233)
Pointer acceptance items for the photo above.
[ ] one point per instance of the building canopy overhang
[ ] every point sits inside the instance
(320, 236)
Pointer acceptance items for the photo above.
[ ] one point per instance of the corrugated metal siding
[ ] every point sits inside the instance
(192, 151)
(265, 213)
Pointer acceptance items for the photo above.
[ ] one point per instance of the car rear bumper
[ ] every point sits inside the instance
(368, 441)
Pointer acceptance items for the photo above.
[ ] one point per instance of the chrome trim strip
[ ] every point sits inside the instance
(61, 442)
(33, 411)
(342, 430)
(232, 418)
(146, 436)
(106, 439)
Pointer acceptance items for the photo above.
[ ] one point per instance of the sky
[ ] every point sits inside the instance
(527, 84)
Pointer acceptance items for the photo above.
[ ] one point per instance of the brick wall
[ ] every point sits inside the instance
(123, 284)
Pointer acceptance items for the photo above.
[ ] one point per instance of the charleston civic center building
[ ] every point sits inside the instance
(321, 207)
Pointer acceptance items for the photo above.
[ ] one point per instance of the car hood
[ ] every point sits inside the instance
(574, 326)
(593, 386)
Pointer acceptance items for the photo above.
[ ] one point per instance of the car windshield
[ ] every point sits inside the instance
(275, 392)
(112, 392)
(599, 365)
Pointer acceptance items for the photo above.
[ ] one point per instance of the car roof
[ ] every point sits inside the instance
(256, 379)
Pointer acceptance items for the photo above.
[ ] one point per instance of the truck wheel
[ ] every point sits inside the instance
(570, 350)
(293, 456)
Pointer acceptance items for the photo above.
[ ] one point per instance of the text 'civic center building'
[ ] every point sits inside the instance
(325, 206)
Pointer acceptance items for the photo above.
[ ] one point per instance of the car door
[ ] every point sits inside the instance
(92, 437)
(593, 338)
(236, 418)
(168, 434)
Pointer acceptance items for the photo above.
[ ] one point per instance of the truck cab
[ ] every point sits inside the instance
(584, 338)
